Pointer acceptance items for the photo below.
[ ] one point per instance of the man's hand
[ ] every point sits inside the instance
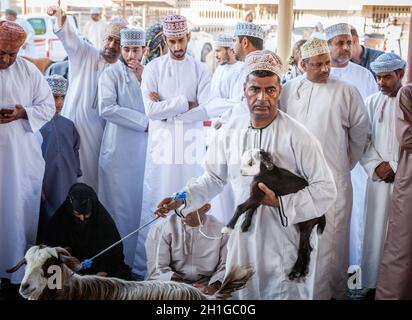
(193, 104)
(137, 69)
(201, 284)
(154, 96)
(385, 172)
(5, 112)
(59, 13)
(12, 115)
(206, 288)
(167, 205)
(270, 198)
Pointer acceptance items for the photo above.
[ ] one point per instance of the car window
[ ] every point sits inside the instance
(38, 24)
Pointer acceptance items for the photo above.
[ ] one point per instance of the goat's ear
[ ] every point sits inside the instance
(17, 266)
(72, 262)
(266, 159)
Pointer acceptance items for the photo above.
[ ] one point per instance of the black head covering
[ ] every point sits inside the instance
(86, 239)
(83, 198)
(155, 42)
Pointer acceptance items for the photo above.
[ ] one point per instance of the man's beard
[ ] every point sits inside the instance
(341, 59)
(109, 53)
(183, 52)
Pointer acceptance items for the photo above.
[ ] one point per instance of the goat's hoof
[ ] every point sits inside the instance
(226, 230)
(292, 276)
(297, 275)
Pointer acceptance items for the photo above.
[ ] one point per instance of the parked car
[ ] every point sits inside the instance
(47, 45)
(298, 33)
(200, 45)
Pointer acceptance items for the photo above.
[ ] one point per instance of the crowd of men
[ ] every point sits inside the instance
(86, 160)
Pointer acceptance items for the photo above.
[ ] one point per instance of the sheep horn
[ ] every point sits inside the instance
(72, 262)
(17, 266)
(62, 251)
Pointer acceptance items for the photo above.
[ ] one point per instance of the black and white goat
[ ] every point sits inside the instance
(258, 163)
(36, 284)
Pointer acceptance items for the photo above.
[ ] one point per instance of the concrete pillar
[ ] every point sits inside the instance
(144, 16)
(124, 9)
(410, 49)
(285, 25)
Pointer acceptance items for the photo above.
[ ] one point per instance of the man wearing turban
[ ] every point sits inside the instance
(270, 246)
(124, 143)
(61, 143)
(380, 162)
(334, 112)
(26, 104)
(86, 64)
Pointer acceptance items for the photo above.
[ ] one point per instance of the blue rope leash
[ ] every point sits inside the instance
(87, 263)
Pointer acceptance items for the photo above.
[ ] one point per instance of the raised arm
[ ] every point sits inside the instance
(74, 46)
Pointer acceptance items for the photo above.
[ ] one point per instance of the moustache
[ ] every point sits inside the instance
(261, 106)
(110, 51)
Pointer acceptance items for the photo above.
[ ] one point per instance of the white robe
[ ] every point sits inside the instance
(176, 143)
(224, 80)
(335, 113)
(21, 162)
(224, 85)
(357, 76)
(176, 249)
(268, 247)
(364, 81)
(383, 146)
(95, 32)
(123, 151)
(239, 108)
(85, 67)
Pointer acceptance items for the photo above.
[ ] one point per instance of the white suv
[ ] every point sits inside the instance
(47, 45)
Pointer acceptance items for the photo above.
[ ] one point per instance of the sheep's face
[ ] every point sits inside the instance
(250, 165)
(36, 274)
